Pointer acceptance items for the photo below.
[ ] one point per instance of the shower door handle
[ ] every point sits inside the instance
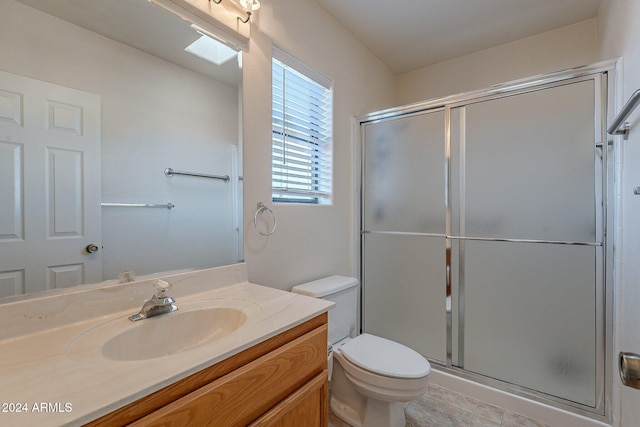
(630, 369)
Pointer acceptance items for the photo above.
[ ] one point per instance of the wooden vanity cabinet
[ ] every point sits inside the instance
(280, 382)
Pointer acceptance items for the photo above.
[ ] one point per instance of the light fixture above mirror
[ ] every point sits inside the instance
(249, 6)
(224, 17)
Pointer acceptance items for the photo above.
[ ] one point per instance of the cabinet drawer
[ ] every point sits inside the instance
(307, 407)
(248, 392)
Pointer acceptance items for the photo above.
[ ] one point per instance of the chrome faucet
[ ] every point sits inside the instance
(158, 304)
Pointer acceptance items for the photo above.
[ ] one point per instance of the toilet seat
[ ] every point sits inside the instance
(384, 357)
(377, 386)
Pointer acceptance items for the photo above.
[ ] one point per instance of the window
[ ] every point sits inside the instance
(301, 132)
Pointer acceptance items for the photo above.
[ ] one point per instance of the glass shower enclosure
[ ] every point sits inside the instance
(483, 243)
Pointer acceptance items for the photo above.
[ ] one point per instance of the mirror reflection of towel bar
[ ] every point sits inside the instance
(171, 172)
(167, 205)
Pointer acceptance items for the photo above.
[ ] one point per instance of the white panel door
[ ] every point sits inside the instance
(50, 186)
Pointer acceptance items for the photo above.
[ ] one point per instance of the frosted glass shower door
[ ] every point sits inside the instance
(530, 241)
(403, 236)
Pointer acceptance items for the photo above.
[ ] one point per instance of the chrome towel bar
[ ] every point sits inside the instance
(168, 205)
(615, 127)
(171, 172)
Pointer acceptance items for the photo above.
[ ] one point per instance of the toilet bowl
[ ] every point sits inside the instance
(371, 377)
(372, 380)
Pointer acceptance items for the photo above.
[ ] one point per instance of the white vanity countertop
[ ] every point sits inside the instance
(48, 379)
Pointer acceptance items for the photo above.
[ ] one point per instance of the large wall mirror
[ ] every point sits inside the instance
(97, 99)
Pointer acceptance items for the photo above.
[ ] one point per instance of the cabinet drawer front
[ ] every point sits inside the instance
(246, 393)
(308, 407)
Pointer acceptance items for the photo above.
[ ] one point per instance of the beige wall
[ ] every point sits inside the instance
(555, 50)
(619, 23)
(310, 241)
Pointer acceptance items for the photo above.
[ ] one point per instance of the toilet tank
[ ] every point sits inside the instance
(343, 291)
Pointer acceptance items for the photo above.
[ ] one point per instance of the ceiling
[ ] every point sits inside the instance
(405, 34)
(412, 34)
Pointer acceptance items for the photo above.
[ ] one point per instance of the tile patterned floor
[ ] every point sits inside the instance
(444, 408)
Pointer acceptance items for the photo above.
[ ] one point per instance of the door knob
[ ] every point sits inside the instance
(92, 248)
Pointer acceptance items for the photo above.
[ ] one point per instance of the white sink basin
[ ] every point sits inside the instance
(173, 333)
(195, 324)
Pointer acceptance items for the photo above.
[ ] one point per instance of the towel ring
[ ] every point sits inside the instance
(262, 208)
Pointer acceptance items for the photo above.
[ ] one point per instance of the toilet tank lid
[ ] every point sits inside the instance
(325, 286)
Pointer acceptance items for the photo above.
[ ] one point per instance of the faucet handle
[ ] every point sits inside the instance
(162, 286)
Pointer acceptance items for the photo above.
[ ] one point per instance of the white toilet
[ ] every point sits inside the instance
(373, 377)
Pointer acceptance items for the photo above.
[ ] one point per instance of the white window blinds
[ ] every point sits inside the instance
(301, 138)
